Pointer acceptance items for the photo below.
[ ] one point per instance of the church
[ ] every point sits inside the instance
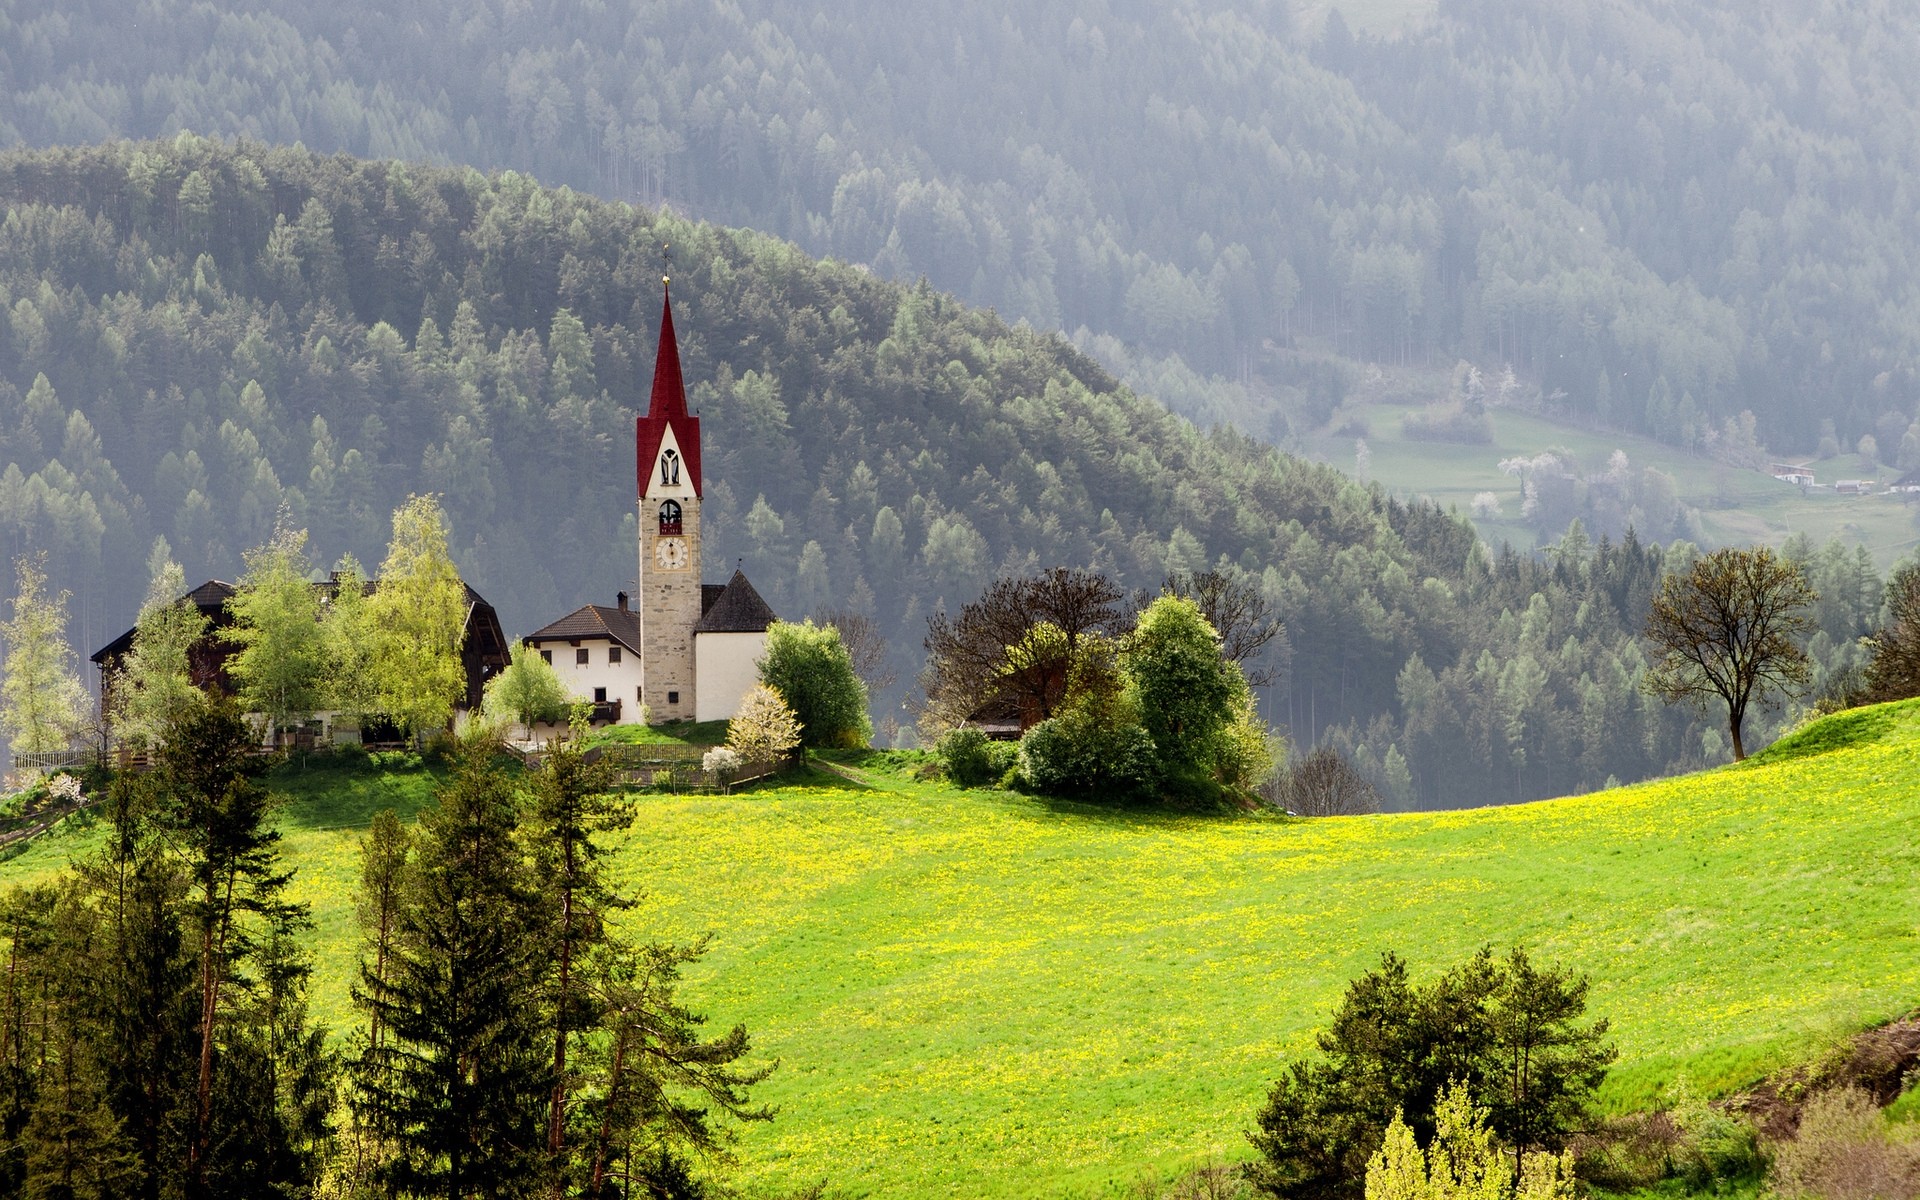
(679, 649)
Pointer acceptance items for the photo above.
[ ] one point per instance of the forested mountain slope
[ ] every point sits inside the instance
(1661, 214)
(196, 334)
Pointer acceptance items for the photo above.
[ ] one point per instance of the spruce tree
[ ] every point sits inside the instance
(215, 810)
(459, 1084)
(571, 804)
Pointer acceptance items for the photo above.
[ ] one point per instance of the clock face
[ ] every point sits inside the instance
(670, 554)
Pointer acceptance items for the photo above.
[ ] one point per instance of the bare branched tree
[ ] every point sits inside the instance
(1894, 672)
(1325, 784)
(1237, 611)
(865, 644)
(1729, 628)
(991, 653)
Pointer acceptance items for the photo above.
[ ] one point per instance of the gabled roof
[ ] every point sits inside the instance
(737, 609)
(210, 598)
(667, 408)
(593, 621)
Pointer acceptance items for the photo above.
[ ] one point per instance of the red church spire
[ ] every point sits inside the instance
(667, 408)
(669, 393)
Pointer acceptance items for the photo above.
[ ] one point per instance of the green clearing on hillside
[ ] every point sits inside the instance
(1736, 505)
(981, 994)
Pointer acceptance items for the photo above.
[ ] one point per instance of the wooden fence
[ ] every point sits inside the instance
(672, 765)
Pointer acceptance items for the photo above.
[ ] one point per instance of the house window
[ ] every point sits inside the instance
(670, 519)
(599, 695)
(580, 657)
(673, 697)
(670, 468)
(613, 654)
(546, 656)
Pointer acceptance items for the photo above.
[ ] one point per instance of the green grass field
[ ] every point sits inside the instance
(1737, 506)
(981, 994)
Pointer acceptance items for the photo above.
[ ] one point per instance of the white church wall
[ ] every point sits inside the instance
(724, 666)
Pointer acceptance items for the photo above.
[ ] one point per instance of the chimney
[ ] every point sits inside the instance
(623, 601)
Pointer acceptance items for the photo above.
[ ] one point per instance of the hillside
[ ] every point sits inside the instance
(196, 334)
(1660, 214)
(977, 994)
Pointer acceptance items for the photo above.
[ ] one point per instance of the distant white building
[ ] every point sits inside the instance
(1853, 487)
(686, 650)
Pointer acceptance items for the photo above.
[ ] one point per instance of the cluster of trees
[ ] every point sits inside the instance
(1498, 1041)
(291, 647)
(1113, 702)
(1661, 216)
(155, 1039)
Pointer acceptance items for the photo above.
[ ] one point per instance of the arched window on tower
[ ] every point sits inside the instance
(670, 468)
(670, 519)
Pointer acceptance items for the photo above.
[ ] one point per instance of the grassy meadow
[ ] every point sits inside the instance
(983, 994)
(1737, 506)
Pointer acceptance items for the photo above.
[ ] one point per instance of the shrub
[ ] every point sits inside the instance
(1075, 754)
(1712, 1144)
(1448, 424)
(1324, 784)
(720, 762)
(765, 729)
(964, 754)
(1845, 1151)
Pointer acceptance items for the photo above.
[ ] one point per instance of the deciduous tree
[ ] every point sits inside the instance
(529, 690)
(969, 664)
(280, 662)
(1729, 629)
(1894, 671)
(347, 684)
(155, 683)
(418, 615)
(764, 730)
(810, 668)
(42, 702)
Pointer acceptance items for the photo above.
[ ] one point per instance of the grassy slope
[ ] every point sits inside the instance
(1736, 506)
(979, 994)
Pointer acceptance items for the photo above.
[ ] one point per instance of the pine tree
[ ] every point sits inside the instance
(459, 1086)
(571, 804)
(216, 813)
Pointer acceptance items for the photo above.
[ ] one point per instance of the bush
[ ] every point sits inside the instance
(1448, 424)
(1845, 1151)
(1325, 784)
(965, 755)
(1075, 754)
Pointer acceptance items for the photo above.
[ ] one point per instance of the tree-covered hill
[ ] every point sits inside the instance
(196, 334)
(1661, 214)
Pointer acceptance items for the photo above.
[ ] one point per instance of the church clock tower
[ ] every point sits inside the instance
(667, 453)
